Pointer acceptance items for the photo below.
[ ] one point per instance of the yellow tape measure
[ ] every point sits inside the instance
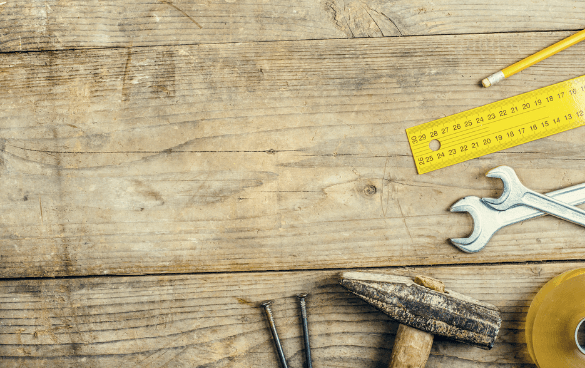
(499, 125)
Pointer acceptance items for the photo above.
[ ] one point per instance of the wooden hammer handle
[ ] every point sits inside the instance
(411, 348)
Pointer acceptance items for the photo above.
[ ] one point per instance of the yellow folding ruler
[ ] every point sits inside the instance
(499, 125)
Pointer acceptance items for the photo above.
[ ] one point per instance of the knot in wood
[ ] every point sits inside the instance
(370, 190)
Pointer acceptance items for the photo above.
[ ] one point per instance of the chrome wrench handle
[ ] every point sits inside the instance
(554, 207)
(487, 221)
(516, 194)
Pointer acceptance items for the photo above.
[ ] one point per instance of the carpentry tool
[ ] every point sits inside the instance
(516, 194)
(266, 305)
(487, 221)
(424, 307)
(533, 59)
(555, 322)
(497, 126)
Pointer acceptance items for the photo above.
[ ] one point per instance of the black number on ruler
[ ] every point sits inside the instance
(421, 161)
(533, 127)
(468, 123)
(474, 145)
(480, 119)
(456, 126)
(525, 106)
(498, 137)
(538, 102)
(513, 109)
(510, 134)
(487, 141)
(544, 124)
(434, 133)
(463, 148)
(580, 113)
(440, 154)
(452, 152)
(444, 130)
(568, 117)
(491, 116)
(573, 91)
(503, 113)
(549, 98)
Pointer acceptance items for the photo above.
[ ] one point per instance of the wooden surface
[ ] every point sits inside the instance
(57, 24)
(213, 320)
(259, 156)
(252, 150)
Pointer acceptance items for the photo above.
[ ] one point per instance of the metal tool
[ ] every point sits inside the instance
(516, 194)
(303, 305)
(266, 305)
(487, 221)
(424, 308)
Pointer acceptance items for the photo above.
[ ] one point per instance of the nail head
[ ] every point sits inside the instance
(266, 303)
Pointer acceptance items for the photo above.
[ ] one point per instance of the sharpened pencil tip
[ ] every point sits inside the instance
(486, 82)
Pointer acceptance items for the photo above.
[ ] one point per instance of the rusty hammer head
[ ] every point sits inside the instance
(437, 312)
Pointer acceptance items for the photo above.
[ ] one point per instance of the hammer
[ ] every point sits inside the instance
(424, 308)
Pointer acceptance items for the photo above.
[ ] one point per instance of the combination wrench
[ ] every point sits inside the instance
(516, 194)
(487, 221)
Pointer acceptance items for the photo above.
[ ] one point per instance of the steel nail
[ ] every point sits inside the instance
(266, 304)
(303, 304)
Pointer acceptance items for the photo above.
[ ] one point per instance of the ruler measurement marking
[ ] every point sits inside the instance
(444, 141)
(420, 144)
(458, 140)
(563, 104)
(446, 144)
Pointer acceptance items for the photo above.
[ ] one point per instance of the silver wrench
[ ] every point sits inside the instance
(487, 221)
(516, 194)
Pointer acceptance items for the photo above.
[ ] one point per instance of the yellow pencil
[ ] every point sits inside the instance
(533, 59)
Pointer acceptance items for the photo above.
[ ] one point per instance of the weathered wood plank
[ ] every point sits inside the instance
(57, 24)
(268, 156)
(213, 320)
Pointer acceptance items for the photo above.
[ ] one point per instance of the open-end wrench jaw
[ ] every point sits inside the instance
(487, 219)
(513, 188)
(480, 235)
(466, 205)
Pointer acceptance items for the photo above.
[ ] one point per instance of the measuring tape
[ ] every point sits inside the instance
(499, 125)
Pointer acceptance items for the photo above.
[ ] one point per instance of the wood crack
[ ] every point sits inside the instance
(181, 11)
(269, 151)
(391, 21)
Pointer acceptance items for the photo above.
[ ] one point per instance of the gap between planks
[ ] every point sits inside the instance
(72, 49)
(328, 270)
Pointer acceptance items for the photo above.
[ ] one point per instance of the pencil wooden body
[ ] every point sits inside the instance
(543, 54)
(533, 59)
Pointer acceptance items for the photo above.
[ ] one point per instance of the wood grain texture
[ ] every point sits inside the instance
(214, 320)
(268, 156)
(57, 24)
